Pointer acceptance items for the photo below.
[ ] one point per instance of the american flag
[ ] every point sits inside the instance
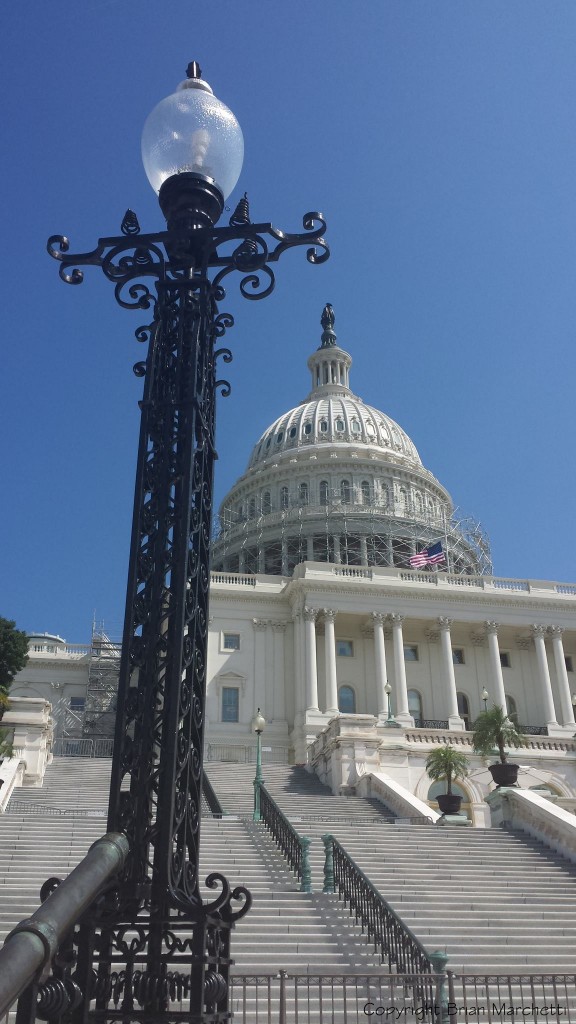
(432, 555)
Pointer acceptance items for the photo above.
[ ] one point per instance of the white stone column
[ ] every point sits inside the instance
(284, 545)
(260, 628)
(261, 560)
(402, 714)
(454, 720)
(363, 551)
(311, 671)
(496, 677)
(299, 670)
(337, 555)
(538, 634)
(330, 659)
(279, 687)
(310, 549)
(380, 664)
(562, 675)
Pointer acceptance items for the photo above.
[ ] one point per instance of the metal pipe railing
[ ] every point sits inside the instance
(391, 937)
(30, 947)
(294, 846)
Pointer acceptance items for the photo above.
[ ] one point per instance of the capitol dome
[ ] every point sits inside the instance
(336, 480)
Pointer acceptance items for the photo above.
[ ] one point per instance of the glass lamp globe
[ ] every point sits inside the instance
(258, 722)
(191, 131)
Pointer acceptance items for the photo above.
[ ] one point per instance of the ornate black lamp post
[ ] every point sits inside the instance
(154, 942)
(258, 724)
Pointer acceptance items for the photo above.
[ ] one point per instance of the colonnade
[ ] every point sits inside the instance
(305, 638)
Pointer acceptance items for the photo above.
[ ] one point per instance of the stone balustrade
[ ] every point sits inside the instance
(530, 812)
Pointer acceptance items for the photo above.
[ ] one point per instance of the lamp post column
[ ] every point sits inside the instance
(562, 675)
(157, 923)
(258, 727)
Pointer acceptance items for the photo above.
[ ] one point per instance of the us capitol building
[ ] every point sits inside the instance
(359, 662)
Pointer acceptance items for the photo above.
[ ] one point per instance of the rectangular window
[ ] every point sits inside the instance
(230, 703)
(410, 652)
(77, 704)
(344, 648)
(504, 659)
(457, 655)
(231, 641)
(568, 660)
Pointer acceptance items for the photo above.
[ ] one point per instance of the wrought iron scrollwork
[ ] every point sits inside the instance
(154, 923)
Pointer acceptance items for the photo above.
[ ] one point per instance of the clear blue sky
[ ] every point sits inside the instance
(438, 138)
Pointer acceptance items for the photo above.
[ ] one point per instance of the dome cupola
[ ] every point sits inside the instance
(336, 480)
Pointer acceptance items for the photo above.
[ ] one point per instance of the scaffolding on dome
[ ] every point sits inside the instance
(275, 542)
(102, 689)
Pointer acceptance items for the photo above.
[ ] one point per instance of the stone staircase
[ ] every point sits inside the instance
(496, 901)
(297, 792)
(47, 831)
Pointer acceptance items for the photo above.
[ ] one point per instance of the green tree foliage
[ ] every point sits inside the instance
(446, 763)
(13, 657)
(492, 729)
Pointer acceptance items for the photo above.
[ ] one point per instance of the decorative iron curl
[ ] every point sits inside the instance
(241, 893)
(221, 323)
(223, 353)
(223, 899)
(225, 387)
(253, 280)
(57, 996)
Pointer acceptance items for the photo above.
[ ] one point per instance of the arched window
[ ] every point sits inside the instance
(512, 709)
(266, 503)
(303, 494)
(324, 426)
(252, 508)
(402, 500)
(464, 708)
(415, 706)
(346, 700)
(345, 492)
(384, 495)
(284, 497)
(324, 492)
(365, 488)
(339, 425)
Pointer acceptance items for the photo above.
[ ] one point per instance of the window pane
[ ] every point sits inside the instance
(504, 659)
(457, 655)
(230, 704)
(410, 652)
(344, 648)
(231, 642)
(347, 700)
(415, 704)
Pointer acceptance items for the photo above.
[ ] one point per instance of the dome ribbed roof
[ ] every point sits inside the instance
(333, 418)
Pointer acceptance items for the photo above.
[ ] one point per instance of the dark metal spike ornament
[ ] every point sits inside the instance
(194, 70)
(152, 941)
(130, 225)
(241, 214)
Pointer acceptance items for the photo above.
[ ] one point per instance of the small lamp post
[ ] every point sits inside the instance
(258, 723)
(485, 696)
(390, 722)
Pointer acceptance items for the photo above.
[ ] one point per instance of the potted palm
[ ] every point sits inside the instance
(493, 729)
(447, 764)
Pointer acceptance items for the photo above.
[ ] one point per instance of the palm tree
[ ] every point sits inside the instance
(447, 763)
(492, 729)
